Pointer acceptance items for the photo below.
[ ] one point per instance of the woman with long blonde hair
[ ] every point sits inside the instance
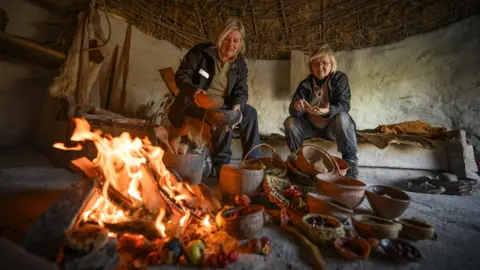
(320, 106)
(218, 69)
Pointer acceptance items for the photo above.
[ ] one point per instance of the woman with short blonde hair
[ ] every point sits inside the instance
(320, 108)
(218, 69)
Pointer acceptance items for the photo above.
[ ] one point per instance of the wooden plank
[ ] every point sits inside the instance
(31, 46)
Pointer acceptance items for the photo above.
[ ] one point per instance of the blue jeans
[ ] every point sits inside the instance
(340, 128)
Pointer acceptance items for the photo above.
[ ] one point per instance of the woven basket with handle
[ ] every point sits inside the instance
(271, 165)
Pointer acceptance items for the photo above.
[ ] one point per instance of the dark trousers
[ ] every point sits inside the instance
(340, 128)
(222, 140)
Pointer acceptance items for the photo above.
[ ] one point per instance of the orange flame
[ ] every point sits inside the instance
(206, 221)
(128, 165)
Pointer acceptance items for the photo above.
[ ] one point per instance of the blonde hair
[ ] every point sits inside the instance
(324, 50)
(230, 25)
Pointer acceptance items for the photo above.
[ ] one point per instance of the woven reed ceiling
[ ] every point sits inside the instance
(274, 27)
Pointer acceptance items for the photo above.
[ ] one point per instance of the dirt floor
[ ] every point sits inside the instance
(28, 185)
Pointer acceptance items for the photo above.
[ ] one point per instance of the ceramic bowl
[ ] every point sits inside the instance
(222, 117)
(370, 226)
(323, 205)
(416, 229)
(387, 202)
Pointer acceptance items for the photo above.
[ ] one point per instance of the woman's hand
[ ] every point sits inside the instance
(236, 107)
(301, 105)
(319, 111)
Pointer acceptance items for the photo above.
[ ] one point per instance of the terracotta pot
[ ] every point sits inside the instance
(416, 229)
(347, 191)
(245, 227)
(322, 234)
(308, 155)
(237, 181)
(319, 204)
(189, 166)
(208, 101)
(370, 226)
(343, 246)
(389, 207)
(342, 165)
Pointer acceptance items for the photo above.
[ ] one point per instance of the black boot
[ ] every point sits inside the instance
(217, 166)
(353, 169)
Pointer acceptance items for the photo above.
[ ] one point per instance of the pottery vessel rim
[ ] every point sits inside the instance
(370, 190)
(329, 201)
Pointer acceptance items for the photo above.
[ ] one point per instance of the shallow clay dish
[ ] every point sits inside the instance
(208, 101)
(319, 204)
(370, 226)
(416, 229)
(222, 117)
(387, 202)
(352, 248)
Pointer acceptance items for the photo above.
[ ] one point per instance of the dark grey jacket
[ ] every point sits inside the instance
(188, 78)
(338, 93)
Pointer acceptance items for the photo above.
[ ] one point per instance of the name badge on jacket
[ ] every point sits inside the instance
(204, 73)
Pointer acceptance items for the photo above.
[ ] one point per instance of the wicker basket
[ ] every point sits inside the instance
(273, 186)
(272, 165)
(297, 176)
(320, 234)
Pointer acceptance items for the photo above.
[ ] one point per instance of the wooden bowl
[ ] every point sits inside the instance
(416, 229)
(235, 180)
(323, 205)
(347, 191)
(322, 234)
(370, 226)
(222, 117)
(387, 202)
(208, 101)
(342, 165)
(308, 155)
(247, 226)
(344, 247)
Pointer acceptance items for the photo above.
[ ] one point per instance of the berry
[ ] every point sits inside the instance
(233, 256)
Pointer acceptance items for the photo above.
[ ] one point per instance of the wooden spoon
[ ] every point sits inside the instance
(286, 223)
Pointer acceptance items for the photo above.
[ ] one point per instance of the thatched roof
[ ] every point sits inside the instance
(274, 27)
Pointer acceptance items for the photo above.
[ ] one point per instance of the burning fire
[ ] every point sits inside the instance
(133, 168)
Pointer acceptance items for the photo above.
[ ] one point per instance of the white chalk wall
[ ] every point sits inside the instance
(434, 77)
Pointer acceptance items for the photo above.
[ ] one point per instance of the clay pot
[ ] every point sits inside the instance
(347, 191)
(416, 229)
(308, 155)
(208, 101)
(319, 204)
(370, 226)
(342, 165)
(222, 117)
(235, 180)
(189, 167)
(323, 234)
(389, 207)
(342, 246)
(245, 227)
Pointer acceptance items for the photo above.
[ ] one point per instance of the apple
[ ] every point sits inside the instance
(195, 251)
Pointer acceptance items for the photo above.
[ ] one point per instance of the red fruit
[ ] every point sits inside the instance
(265, 240)
(223, 264)
(266, 250)
(233, 256)
(212, 260)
